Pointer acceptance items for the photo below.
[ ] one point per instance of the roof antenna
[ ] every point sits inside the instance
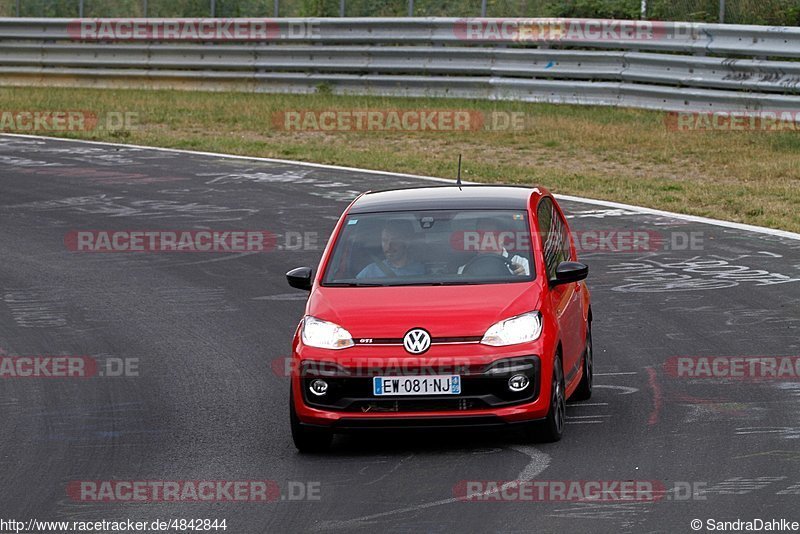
(458, 178)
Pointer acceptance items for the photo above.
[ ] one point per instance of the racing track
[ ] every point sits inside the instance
(210, 404)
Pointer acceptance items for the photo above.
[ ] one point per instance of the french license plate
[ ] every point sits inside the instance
(416, 385)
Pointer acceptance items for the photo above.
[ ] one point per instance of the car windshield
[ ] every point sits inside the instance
(445, 247)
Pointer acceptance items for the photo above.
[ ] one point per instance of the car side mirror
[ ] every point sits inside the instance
(300, 278)
(570, 271)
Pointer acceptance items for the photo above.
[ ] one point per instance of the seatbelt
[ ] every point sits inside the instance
(386, 270)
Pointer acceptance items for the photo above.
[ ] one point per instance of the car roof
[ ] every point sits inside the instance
(447, 197)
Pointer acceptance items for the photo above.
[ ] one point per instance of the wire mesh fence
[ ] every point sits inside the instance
(769, 12)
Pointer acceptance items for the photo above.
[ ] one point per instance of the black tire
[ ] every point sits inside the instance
(552, 427)
(308, 439)
(584, 389)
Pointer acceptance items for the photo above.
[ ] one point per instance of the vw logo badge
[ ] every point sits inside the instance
(417, 341)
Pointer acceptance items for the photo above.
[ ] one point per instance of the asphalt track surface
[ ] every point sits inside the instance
(209, 402)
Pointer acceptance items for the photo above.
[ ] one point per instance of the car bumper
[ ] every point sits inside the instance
(406, 422)
(485, 401)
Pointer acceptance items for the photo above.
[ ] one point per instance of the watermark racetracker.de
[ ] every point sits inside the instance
(734, 367)
(43, 121)
(159, 241)
(189, 491)
(47, 366)
(186, 29)
(733, 121)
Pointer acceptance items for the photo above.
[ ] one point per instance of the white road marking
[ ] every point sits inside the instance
(625, 390)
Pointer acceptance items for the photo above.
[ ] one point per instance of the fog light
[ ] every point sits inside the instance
(318, 387)
(518, 382)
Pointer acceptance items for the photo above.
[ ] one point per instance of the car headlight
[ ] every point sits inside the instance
(325, 335)
(519, 329)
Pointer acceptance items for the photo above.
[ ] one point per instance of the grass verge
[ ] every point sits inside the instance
(604, 153)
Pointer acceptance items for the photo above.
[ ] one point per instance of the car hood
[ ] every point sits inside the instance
(444, 311)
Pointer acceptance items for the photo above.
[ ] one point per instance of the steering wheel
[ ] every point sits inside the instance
(488, 265)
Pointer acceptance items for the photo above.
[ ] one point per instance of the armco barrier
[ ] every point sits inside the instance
(668, 66)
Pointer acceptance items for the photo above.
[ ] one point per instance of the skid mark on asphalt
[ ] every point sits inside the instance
(35, 308)
(600, 214)
(699, 273)
(742, 485)
(658, 397)
(780, 454)
(628, 513)
(394, 468)
(298, 176)
(538, 462)
(786, 432)
(117, 206)
(227, 257)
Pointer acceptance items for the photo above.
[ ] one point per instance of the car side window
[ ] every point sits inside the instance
(554, 236)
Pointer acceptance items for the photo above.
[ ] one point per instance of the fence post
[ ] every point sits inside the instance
(722, 11)
(410, 8)
(341, 8)
(144, 8)
(80, 9)
(17, 7)
(276, 8)
(483, 8)
(213, 8)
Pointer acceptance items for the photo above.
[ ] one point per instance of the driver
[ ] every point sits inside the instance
(396, 237)
(491, 231)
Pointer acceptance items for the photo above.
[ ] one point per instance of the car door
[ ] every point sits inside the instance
(565, 299)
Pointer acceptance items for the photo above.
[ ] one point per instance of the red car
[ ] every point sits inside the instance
(442, 307)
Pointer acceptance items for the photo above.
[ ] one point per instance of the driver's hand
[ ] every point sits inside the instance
(518, 269)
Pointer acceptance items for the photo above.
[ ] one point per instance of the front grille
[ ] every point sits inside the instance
(416, 405)
(480, 389)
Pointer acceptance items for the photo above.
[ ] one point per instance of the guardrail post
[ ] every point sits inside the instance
(722, 11)
(483, 8)
(410, 8)
(80, 9)
(276, 8)
(341, 7)
(17, 7)
(144, 8)
(213, 8)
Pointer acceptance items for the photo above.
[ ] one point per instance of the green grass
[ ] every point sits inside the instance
(598, 152)
(769, 12)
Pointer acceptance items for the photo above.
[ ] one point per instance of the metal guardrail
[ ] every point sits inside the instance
(680, 66)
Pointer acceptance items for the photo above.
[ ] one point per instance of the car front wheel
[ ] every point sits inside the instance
(552, 427)
(307, 439)
(554, 423)
(584, 390)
